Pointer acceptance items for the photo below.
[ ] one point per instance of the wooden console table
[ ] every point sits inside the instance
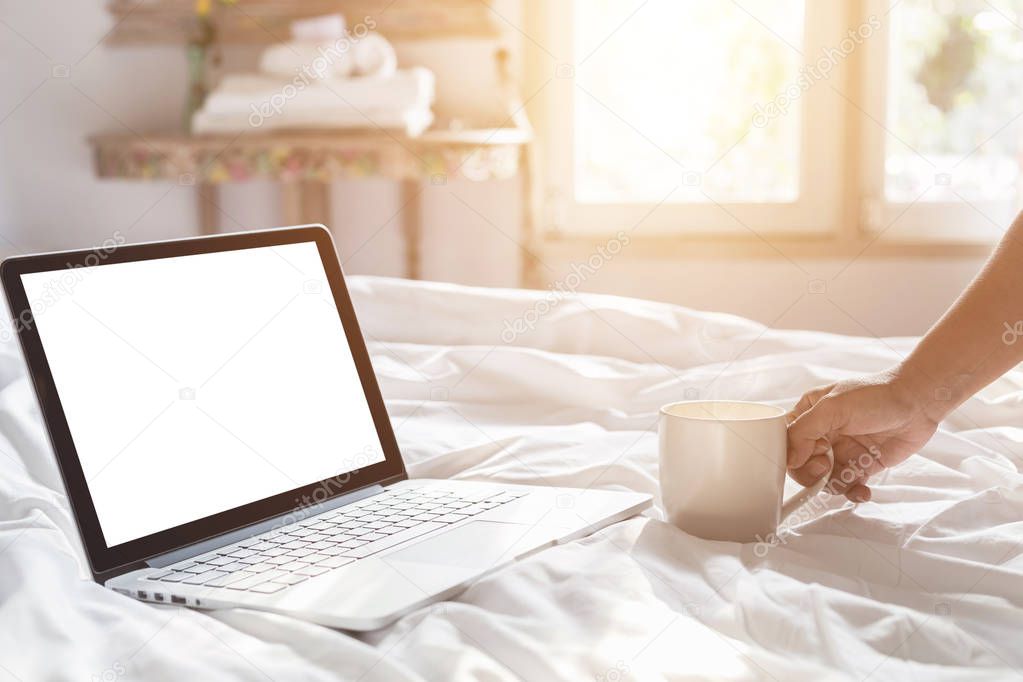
(305, 163)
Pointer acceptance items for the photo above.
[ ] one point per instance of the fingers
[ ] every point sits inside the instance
(809, 399)
(856, 460)
(858, 493)
(847, 472)
(815, 467)
(820, 421)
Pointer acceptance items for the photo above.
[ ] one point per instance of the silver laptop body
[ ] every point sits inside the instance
(223, 441)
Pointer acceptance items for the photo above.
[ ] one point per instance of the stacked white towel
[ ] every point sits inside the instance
(314, 82)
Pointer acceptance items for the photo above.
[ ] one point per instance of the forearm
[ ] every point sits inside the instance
(976, 341)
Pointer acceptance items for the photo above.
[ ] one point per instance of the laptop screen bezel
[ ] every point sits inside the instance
(108, 561)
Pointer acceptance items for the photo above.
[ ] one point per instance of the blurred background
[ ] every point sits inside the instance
(842, 165)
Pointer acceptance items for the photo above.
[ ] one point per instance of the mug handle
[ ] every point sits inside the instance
(800, 498)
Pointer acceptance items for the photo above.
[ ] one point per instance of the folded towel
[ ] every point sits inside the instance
(404, 90)
(374, 56)
(369, 55)
(311, 60)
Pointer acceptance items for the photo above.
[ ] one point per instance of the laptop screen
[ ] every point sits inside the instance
(197, 384)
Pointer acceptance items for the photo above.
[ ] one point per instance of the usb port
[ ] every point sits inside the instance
(157, 596)
(143, 594)
(177, 600)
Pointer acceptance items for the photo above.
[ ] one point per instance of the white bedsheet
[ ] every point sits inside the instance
(924, 582)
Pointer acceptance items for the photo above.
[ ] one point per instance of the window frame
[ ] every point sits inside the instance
(839, 212)
(911, 221)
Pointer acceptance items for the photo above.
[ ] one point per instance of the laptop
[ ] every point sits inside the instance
(223, 441)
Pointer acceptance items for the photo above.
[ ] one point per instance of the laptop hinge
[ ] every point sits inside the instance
(293, 516)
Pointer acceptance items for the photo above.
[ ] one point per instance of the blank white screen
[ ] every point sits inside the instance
(197, 384)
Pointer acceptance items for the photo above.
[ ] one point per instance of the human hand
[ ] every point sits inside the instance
(872, 423)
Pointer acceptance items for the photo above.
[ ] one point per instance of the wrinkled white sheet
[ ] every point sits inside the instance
(924, 582)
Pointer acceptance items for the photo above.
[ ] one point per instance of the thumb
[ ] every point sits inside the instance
(823, 420)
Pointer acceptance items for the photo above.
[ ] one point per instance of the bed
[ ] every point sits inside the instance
(924, 582)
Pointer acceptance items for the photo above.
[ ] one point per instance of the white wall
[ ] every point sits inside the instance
(870, 298)
(49, 198)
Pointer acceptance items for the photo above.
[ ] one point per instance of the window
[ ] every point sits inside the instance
(946, 163)
(790, 118)
(683, 76)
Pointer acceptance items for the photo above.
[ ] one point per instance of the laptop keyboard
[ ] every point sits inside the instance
(282, 557)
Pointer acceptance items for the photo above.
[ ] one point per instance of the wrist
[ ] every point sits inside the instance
(933, 393)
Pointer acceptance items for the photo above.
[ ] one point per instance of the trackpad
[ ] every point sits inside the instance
(477, 546)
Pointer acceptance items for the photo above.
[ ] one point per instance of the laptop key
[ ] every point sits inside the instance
(201, 578)
(424, 517)
(450, 518)
(261, 568)
(206, 557)
(176, 577)
(220, 561)
(277, 539)
(507, 497)
(471, 510)
(335, 561)
(312, 571)
(315, 558)
(293, 566)
(291, 579)
(268, 588)
(229, 578)
(255, 580)
(479, 495)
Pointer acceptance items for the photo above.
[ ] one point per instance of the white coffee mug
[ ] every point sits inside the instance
(723, 469)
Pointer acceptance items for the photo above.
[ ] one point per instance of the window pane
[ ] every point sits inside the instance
(955, 101)
(670, 91)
